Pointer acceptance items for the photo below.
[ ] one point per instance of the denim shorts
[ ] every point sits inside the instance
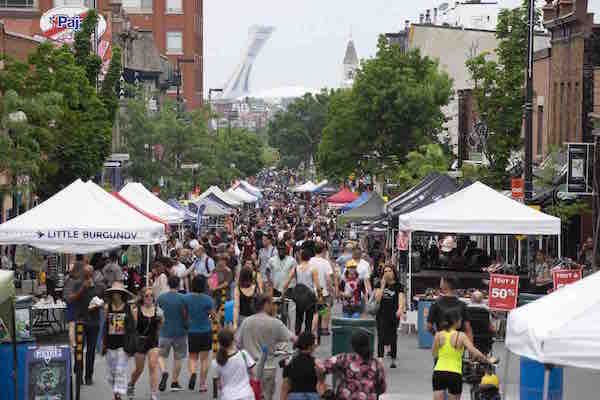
(179, 345)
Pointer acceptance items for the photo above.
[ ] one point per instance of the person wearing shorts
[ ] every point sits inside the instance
(200, 309)
(172, 333)
(148, 320)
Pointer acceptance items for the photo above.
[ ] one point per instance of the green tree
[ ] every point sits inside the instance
(394, 105)
(161, 144)
(296, 132)
(109, 92)
(82, 47)
(420, 163)
(499, 93)
(241, 149)
(78, 135)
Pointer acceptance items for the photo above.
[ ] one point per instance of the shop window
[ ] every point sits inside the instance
(175, 42)
(18, 4)
(137, 4)
(174, 6)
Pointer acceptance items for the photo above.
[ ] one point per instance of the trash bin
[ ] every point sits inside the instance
(532, 381)
(425, 338)
(342, 330)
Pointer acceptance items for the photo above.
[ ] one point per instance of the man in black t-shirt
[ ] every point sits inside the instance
(449, 300)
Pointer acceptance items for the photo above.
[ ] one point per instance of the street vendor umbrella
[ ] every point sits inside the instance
(342, 197)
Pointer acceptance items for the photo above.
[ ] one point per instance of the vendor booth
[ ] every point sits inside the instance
(342, 198)
(362, 199)
(138, 195)
(372, 209)
(224, 198)
(242, 195)
(432, 188)
(254, 191)
(305, 187)
(477, 209)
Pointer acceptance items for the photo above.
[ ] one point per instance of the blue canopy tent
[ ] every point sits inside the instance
(362, 199)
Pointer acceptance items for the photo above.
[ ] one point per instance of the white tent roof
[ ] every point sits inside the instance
(212, 209)
(242, 194)
(246, 188)
(251, 187)
(143, 199)
(306, 187)
(225, 197)
(480, 209)
(321, 185)
(560, 328)
(82, 218)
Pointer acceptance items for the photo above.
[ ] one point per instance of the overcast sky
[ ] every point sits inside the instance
(308, 45)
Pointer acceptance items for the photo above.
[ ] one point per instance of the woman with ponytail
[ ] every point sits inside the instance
(233, 369)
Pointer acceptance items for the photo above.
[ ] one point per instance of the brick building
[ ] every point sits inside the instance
(570, 67)
(177, 28)
(175, 25)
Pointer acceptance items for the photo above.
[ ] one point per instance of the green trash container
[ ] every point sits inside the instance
(342, 330)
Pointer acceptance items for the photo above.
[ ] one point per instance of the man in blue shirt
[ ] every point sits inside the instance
(172, 333)
(200, 307)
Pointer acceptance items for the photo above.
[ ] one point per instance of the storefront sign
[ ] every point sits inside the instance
(565, 277)
(61, 23)
(48, 373)
(580, 168)
(504, 291)
(517, 185)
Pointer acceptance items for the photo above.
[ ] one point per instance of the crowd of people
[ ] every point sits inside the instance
(223, 298)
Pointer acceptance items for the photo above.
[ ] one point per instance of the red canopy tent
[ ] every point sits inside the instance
(344, 196)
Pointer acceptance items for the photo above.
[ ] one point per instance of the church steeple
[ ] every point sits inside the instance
(351, 64)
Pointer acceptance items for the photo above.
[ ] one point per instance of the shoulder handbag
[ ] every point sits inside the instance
(254, 381)
(373, 305)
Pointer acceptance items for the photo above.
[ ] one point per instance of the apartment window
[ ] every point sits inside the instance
(174, 42)
(72, 3)
(137, 4)
(18, 3)
(540, 129)
(174, 6)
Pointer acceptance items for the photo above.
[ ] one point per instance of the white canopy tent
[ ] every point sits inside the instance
(80, 219)
(477, 209)
(306, 187)
(568, 337)
(243, 195)
(221, 195)
(143, 199)
(251, 187)
(320, 185)
(212, 209)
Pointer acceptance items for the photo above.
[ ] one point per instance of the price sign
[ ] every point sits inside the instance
(565, 277)
(504, 291)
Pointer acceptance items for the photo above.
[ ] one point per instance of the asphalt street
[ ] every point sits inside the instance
(411, 380)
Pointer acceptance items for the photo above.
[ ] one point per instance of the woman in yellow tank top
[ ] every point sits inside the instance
(448, 348)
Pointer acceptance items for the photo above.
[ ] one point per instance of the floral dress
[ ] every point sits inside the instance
(360, 379)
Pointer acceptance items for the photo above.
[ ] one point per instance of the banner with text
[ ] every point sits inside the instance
(504, 292)
(565, 277)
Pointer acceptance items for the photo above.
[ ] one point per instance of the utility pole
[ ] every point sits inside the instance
(528, 170)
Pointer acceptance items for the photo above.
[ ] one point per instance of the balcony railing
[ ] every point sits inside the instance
(20, 4)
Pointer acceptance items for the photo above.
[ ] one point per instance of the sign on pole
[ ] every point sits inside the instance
(517, 186)
(580, 170)
(504, 292)
(565, 277)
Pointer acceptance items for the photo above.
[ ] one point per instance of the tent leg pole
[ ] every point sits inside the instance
(148, 267)
(547, 382)
(505, 377)
(559, 247)
(14, 349)
(506, 243)
(409, 271)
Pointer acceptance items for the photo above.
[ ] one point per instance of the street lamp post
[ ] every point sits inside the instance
(528, 170)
